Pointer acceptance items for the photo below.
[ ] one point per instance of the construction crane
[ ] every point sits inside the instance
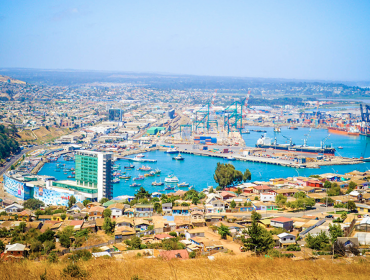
(317, 110)
(289, 139)
(324, 140)
(246, 103)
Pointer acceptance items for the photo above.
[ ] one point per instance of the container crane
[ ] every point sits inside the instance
(324, 140)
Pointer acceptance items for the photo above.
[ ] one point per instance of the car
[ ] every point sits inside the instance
(358, 216)
(329, 217)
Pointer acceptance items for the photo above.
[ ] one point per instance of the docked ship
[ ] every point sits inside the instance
(266, 143)
(344, 131)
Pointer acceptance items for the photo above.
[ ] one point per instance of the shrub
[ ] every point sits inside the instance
(53, 258)
(74, 271)
(84, 255)
(192, 255)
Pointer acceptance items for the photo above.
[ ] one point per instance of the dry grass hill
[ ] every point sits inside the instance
(223, 267)
(42, 134)
(6, 79)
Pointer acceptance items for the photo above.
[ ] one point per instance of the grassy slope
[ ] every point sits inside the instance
(225, 267)
(43, 134)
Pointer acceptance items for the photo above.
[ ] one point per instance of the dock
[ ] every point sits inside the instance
(272, 161)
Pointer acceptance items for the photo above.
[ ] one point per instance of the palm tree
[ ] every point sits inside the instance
(224, 231)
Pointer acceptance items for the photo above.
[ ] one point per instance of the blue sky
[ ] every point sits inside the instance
(327, 40)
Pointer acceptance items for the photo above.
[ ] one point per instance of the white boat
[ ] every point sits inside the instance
(230, 158)
(172, 151)
(277, 129)
(171, 179)
(140, 156)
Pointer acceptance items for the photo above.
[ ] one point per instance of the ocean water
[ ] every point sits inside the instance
(198, 170)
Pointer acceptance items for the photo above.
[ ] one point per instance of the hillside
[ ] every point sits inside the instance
(6, 79)
(42, 134)
(8, 144)
(223, 267)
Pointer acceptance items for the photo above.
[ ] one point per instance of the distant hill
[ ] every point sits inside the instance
(6, 79)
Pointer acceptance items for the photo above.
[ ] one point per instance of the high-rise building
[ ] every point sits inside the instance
(94, 170)
(115, 115)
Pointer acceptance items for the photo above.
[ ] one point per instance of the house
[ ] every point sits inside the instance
(141, 225)
(96, 212)
(314, 183)
(26, 215)
(129, 212)
(196, 232)
(167, 208)
(124, 222)
(14, 251)
(14, 208)
(211, 197)
(77, 207)
(92, 204)
(162, 236)
(286, 239)
(197, 219)
(218, 206)
(282, 222)
(227, 195)
(348, 241)
(286, 192)
(143, 210)
(180, 210)
(156, 194)
(124, 232)
(44, 218)
(117, 210)
(261, 189)
(268, 197)
(174, 254)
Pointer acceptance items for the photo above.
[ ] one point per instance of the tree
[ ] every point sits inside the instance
(256, 216)
(107, 213)
(334, 190)
(343, 216)
(351, 205)
(63, 216)
(72, 201)
(238, 191)
(259, 240)
(224, 231)
(142, 193)
(211, 190)
(108, 225)
(280, 200)
(135, 243)
(33, 204)
(226, 175)
(351, 187)
(318, 242)
(335, 231)
(85, 202)
(48, 235)
(195, 200)
(2, 246)
(247, 176)
(157, 207)
(192, 255)
(232, 204)
(103, 200)
(327, 184)
(329, 200)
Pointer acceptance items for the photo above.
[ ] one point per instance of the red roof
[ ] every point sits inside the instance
(262, 188)
(175, 254)
(282, 219)
(163, 236)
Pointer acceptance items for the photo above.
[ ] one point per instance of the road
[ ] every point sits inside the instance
(314, 212)
(16, 157)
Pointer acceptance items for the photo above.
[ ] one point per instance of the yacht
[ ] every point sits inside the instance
(140, 156)
(183, 185)
(135, 185)
(155, 183)
(172, 151)
(171, 179)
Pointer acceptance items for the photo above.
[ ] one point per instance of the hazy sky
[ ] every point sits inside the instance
(272, 39)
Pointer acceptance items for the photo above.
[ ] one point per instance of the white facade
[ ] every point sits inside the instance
(267, 197)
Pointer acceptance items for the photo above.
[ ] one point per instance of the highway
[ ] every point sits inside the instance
(14, 158)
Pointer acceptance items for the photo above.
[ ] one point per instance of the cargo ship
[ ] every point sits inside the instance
(266, 143)
(344, 131)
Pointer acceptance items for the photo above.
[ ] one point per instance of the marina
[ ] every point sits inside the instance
(198, 167)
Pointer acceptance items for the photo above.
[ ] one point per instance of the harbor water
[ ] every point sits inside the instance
(198, 170)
